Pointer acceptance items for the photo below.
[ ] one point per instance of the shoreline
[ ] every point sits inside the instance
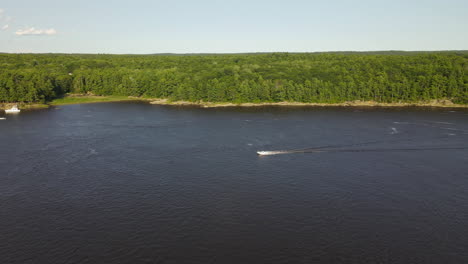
(437, 104)
(87, 99)
(4, 106)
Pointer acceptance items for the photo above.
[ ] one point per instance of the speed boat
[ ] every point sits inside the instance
(268, 153)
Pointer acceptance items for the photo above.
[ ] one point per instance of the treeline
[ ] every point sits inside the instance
(272, 77)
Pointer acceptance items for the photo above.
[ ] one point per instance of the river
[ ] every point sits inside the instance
(138, 183)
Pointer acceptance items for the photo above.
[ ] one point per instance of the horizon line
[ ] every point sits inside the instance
(236, 53)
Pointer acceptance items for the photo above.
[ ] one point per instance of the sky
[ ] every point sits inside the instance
(211, 26)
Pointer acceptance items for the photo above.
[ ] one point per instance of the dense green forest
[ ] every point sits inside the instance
(269, 77)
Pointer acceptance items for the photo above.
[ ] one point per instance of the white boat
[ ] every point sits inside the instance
(268, 153)
(2, 118)
(12, 110)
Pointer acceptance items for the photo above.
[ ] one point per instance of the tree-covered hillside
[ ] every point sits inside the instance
(270, 77)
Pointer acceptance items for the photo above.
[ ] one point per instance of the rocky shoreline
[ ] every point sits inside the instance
(441, 104)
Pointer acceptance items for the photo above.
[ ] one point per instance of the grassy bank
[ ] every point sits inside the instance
(86, 99)
(72, 99)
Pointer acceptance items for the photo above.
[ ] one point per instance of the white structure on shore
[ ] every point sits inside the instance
(13, 110)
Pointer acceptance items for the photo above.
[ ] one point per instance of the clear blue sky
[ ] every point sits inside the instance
(189, 26)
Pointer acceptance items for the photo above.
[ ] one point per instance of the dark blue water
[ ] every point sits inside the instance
(138, 183)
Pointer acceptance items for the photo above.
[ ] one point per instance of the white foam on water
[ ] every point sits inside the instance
(394, 131)
(402, 123)
(444, 123)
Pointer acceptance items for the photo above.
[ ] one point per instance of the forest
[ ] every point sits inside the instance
(260, 77)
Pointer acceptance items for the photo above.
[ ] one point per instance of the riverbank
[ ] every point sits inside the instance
(87, 99)
(23, 106)
(72, 99)
(440, 103)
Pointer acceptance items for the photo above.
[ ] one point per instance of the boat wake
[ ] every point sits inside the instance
(315, 149)
(279, 152)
